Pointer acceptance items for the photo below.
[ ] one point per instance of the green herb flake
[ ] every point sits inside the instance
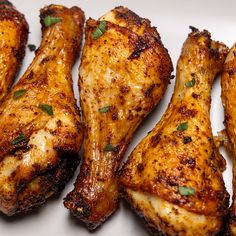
(186, 191)
(182, 126)
(190, 83)
(19, 93)
(109, 148)
(19, 139)
(100, 30)
(46, 108)
(104, 109)
(97, 34)
(51, 20)
(103, 26)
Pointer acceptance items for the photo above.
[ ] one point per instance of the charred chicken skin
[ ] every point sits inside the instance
(173, 178)
(123, 74)
(228, 84)
(40, 127)
(14, 35)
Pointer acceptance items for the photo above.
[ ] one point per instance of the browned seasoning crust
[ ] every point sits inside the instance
(123, 75)
(48, 183)
(228, 83)
(41, 131)
(167, 159)
(14, 35)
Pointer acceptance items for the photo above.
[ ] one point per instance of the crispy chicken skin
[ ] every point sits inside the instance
(173, 178)
(14, 34)
(228, 95)
(123, 75)
(40, 127)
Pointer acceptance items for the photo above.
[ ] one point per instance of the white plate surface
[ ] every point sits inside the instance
(172, 19)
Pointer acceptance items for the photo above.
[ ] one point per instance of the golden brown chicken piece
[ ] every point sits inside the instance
(123, 74)
(14, 35)
(173, 178)
(40, 127)
(228, 83)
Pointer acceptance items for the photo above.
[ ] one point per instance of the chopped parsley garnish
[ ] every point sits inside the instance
(100, 30)
(186, 191)
(19, 139)
(190, 83)
(187, 139)
(19, 93)
(182, 126)
(109, 148)
(104, 109)
(46, 108)
(51, 20)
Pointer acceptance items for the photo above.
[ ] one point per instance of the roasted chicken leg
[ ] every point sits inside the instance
(14, 34)
(40, 127)
(173, 178)
(228, 83)
(123, 74)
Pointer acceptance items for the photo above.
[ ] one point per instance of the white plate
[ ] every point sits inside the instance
(172, 19)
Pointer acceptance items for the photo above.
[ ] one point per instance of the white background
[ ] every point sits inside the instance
(172, 19)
